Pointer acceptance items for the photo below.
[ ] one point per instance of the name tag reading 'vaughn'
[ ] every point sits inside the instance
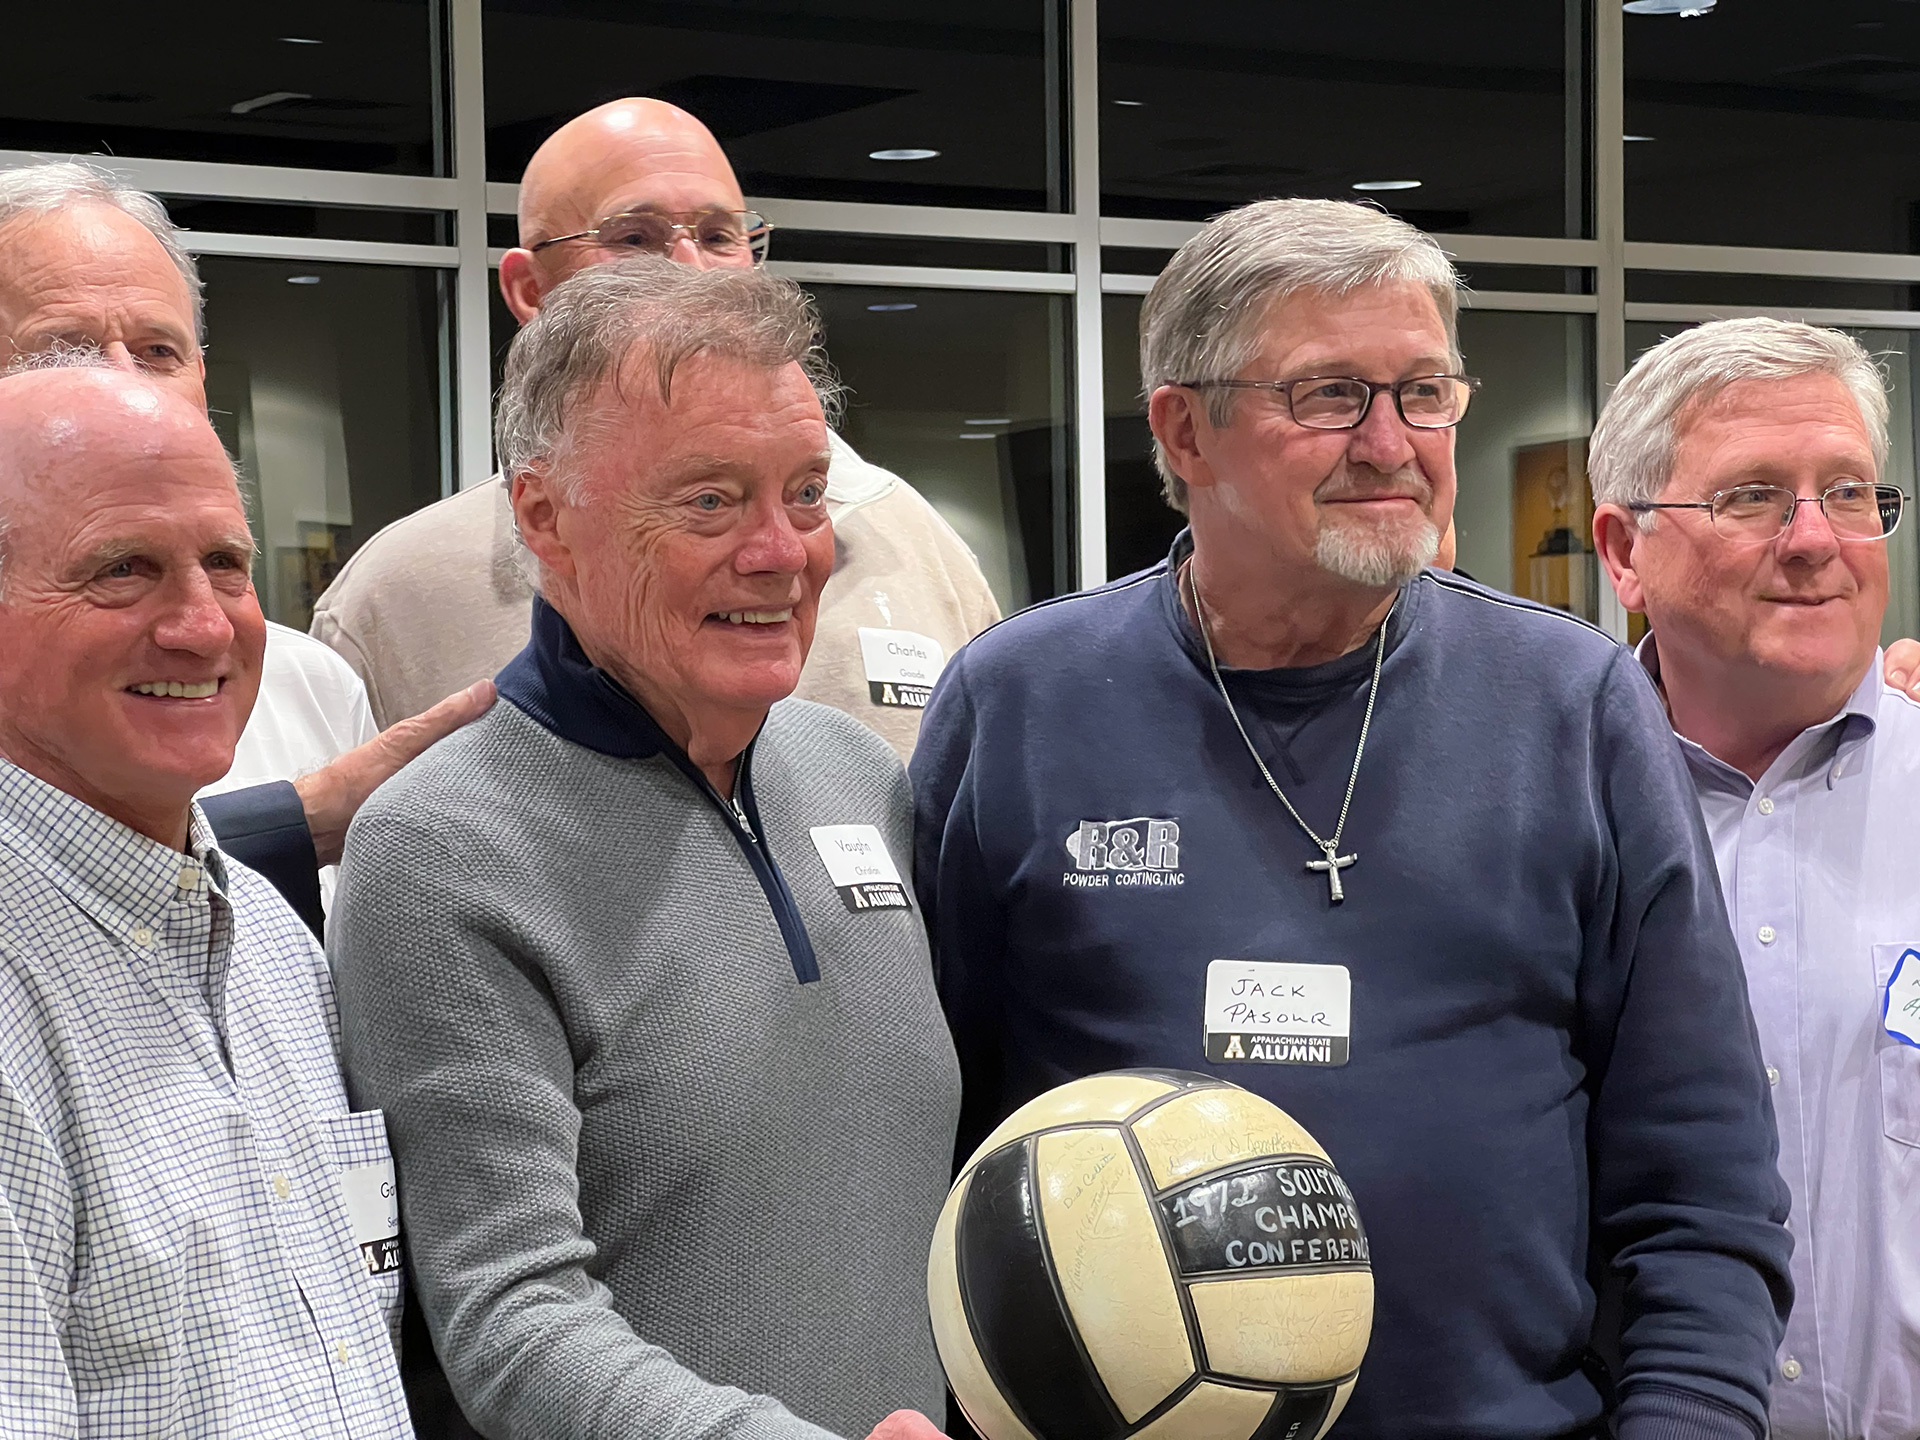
(859, 867)
(901, 667)
(1269, 1013)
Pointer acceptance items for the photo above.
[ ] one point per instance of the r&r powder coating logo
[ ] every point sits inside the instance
(1126, 853)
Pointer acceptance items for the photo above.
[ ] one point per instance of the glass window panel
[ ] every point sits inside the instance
(327, 382)
(324, 84)
(1895, 350)
(1769, 291)
(964, 393)
(328, 222)
(1214, 102)
(1523, 519)
(1523, 511)
(1775, 122)
(803, 92)
(817, 246)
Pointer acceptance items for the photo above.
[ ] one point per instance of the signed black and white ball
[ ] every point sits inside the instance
(1150, 1254)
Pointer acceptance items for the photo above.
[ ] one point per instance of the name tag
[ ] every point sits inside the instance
(1269, 1013)
(901, 666)
(373, 1207)
(859, 867)
(1900, 1011)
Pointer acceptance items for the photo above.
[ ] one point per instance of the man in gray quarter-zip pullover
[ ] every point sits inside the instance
(635, 966)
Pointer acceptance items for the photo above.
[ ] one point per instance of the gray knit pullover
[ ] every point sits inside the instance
(649, 1176)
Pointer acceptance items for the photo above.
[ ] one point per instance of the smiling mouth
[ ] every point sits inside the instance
(753, 617)
(176, 689)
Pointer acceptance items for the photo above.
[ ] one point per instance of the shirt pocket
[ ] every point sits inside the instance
(1899, 1061)
(363, 1168)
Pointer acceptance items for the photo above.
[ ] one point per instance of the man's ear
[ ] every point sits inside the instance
(1615, 529)
(1177, 419)
(536, 516)
(520, 284)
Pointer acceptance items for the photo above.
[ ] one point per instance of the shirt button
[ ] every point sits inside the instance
(340, 1349)
(189, 877)
(1790, 1368)
(281, 1188)
(1767, 936)
(1773, 1076)
(1766, 807)
(141, 936)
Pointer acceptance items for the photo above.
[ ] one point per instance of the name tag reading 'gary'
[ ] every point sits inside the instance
(901, 666)
(1269, 1013)
(859, 866)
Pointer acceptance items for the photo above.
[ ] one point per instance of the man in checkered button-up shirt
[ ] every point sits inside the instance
(196, 1236)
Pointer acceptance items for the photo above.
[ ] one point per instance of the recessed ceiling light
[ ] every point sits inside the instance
(299, 40)
(1133, 103)
(1631, 138)
(977, 435)
(1386, 184)
(893, 305)
(261, 102)
(121, 97)
(1685, 9)
(303, 279)
(902, 154)
(1002, 421)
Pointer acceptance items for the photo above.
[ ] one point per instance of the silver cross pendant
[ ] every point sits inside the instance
(1333, 865)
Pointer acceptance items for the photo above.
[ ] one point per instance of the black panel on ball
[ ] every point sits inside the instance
(1297, 1415)
(1014, 1310)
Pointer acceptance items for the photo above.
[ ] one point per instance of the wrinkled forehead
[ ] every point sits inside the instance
(1396, 326)
(1772, 430)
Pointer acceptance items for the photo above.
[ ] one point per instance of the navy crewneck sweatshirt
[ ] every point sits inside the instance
(1552, 1061)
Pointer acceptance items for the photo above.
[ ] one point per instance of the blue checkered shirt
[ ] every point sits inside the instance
(176, 1252)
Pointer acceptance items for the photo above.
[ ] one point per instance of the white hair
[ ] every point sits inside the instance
(44, 189)
(1202, 319)
(1630, 458)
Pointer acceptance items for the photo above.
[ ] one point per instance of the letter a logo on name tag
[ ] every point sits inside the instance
(859, 867)
(901, 667)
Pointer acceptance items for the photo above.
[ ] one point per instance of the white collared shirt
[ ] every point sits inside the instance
(177, 1255)
(1820, 865)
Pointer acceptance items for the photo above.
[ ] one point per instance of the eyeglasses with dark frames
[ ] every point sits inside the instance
(1341, 402)
(1758, 514)
(725, 233)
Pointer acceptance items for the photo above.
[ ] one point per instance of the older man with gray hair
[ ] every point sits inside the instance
(1739, 469)
(88, 262)
(1428, 814)
(635, 962)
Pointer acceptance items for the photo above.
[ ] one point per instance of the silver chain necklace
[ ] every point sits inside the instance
(1334, 862)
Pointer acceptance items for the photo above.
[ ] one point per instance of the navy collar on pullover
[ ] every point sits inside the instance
(558, 687)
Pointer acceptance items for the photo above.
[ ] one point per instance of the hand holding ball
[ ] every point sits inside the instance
(1150, 1255)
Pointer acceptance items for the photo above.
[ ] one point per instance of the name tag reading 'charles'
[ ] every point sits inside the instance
(1269, 1013)
(901, 666)
(859, 866)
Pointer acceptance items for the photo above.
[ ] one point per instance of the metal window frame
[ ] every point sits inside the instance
(470, 197)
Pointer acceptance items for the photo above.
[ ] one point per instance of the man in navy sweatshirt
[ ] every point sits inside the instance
(1445, 824)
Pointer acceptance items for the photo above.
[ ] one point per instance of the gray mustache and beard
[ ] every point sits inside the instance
(1375, 551)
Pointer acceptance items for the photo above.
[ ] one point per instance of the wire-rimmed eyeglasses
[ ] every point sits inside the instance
(1758, 514)
(727, 234)
(1341, 402)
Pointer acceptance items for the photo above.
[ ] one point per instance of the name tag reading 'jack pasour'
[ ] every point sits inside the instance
(859, 866)
(1269, 1013)
(901, 666)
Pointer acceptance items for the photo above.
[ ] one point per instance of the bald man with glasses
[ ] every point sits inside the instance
(439, 596)
(1738, 469)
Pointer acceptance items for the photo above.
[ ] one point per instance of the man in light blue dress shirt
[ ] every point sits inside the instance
(1738, 470)
(196, 1237)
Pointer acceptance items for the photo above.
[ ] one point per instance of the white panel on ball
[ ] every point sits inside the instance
(1286, 1329)
(1089, 1101)
(1207, 1129)
(1100, 1226)
(1218, 1412)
